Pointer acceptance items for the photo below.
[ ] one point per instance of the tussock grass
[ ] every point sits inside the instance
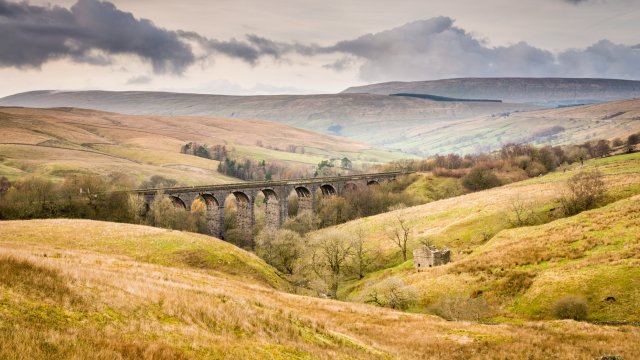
(147, 311)
(25, 277)
(521, 271)
(143, 243)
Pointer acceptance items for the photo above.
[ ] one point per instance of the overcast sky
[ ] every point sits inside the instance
(296, 46)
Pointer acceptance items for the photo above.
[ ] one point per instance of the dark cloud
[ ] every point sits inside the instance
(576, 2)
(90, 31)
(436, 48)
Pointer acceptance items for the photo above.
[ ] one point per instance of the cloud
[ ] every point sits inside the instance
(93, 31)
(576, 2)
(436, 49)
(90, 31)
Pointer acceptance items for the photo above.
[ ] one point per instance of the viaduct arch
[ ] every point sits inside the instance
(276, 195)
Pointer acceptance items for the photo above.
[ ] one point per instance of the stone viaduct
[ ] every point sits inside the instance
(276, 195)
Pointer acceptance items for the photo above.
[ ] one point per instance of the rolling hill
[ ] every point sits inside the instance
(541, 91)
(558, 126)
(408, 124)
(64, 296)
(378, 120)
(55, 142)
(594, 254)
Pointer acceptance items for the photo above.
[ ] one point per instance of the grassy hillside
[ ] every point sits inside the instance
(380, 120)
(545, 91)
(141, 243)
(64, 295)
(560, 126)
(56, 142)
(472, 224)
(408, 124)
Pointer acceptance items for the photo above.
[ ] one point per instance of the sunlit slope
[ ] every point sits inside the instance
(464, 222)
(141, 243)
(420, 126)
(551, 91)
(523, 272)
(574, 255)
(380, 120)
(54, 142)
(571, 125)
(73, 298)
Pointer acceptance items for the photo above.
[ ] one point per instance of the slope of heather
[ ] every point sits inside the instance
(54, 142)
(374, 119)
(576, 254)
(65, 299)
(543, 91)
(570, 125)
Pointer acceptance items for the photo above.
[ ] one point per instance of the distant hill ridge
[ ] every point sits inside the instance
(443, 98)
(541, 91)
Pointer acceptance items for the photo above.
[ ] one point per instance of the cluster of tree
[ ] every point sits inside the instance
(512, 161)
(249, 170)
(369, 201)
(290, 148)
(77, 196)
(94, 197)
(216, 152)
(320, 262)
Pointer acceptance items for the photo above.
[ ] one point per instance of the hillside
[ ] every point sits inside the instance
(419, 126)
(374, 119)
(541, 91)
(575, 252)
(62, 296)
(569, 125)
(55, 142)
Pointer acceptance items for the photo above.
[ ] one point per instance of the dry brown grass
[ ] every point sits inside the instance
(136, 310)
(53, 142)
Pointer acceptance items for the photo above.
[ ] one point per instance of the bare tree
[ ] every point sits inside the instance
(393, 293)
(280, 248)
(399, 234)
(521, 213)
(360, 254)
(586, 189)
(330, 253)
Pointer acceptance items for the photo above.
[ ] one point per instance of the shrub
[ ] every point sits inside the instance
(573, 307)
(480, 178)
(393, 293)
(585, 190)
(164, 213)
(281, 248)
(459, 307)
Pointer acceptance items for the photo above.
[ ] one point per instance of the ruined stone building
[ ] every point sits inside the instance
(429, 256)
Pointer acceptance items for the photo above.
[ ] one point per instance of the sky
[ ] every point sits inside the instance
(298, 46)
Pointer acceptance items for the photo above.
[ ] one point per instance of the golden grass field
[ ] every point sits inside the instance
(594, 254)
(64, 295)
(56, 142)
(580, 124)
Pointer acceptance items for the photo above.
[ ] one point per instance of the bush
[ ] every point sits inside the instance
(459, 307)
(281, 249)
(480, 178)
(393, 293)
(573, 307)
(586, 189)
(165, 214)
